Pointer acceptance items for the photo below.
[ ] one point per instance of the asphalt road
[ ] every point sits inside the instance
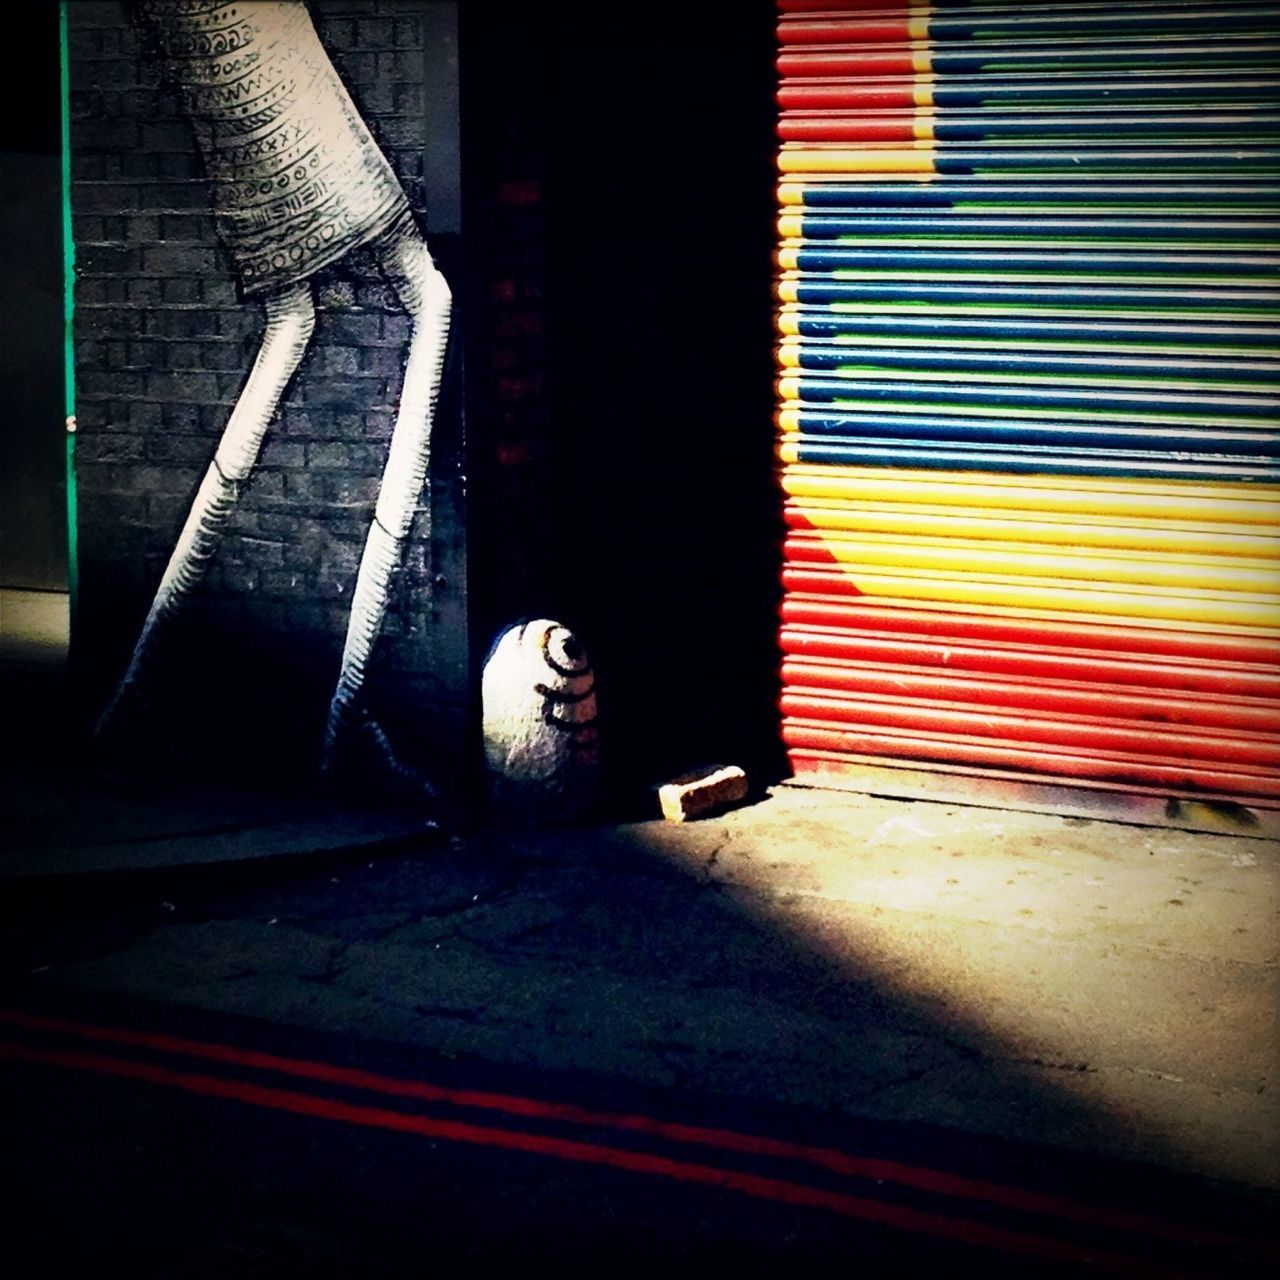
(146, 1139)
(814, 1034)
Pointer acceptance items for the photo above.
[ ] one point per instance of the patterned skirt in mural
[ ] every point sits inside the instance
(297, 179)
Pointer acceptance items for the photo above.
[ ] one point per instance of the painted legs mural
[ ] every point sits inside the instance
(425, 295)
(298, 182)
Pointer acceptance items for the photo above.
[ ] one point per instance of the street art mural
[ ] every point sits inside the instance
(297, 182)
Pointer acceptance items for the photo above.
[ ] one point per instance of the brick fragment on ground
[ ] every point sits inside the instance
(702, 791)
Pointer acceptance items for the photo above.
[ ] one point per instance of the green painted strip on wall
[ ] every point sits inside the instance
(69, 302)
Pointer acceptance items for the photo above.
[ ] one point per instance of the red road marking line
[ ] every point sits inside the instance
(896, 1216)
(931, 1180)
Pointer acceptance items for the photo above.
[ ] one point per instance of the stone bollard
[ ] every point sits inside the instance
(541, 742)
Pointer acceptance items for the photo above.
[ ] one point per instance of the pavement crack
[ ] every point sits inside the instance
(1058, 1064)
(902, 1080)
(445, 1011)
(712, 860)
(332, 966)
(456, 907)
(1046, 1062)
(513, 940)
(962, 1053)
(1166, 1076)
(381, 935)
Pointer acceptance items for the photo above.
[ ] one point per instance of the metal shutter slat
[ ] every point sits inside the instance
(1029, 393)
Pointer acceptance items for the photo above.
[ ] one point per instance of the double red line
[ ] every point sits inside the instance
(708, 1146)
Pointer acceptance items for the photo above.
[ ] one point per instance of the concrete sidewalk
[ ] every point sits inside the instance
(64, 812)
(1097, 988)
(83, 822)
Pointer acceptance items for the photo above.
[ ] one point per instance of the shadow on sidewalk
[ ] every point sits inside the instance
(589, 969)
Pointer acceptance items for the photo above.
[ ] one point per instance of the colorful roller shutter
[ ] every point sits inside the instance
(1028, 280)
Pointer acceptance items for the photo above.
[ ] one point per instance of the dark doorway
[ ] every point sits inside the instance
(650, 146)
(33, 523)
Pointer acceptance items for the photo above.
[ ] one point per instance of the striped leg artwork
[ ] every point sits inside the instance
(425, 296)
(297, 183)
(290, 320)
(1028, 392)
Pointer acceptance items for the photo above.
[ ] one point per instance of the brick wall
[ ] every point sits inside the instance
(162, 347)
